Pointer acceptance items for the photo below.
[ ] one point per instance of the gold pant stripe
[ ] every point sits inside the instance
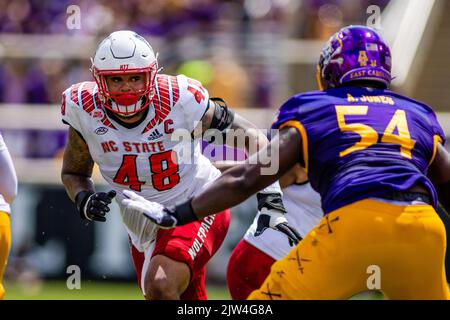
(340, 256)
(5, 245)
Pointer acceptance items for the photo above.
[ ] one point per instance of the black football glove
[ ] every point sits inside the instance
(93, 206)
(272, 215)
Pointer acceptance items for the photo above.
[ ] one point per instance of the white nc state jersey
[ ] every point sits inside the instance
(304, 211)
(157, 158)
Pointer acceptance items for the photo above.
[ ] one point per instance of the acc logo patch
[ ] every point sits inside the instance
(101, 130)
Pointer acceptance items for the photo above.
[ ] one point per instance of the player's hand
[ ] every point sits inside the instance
(272, 215)
(94, 205)
(152, 210)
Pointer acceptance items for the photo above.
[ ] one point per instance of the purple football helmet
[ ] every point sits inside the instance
(354, 53)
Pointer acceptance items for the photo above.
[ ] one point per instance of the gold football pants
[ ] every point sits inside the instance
(5, 244)
(369, 244)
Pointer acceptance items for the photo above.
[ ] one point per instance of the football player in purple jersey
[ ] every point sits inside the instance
(376, 158)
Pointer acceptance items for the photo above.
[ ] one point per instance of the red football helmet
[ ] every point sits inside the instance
(123, 53)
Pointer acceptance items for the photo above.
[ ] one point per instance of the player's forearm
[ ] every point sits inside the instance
(225, 165)
(77, 166)
(75, 183)
(240, 182)
(285, 181)
(233, 187)
(245, 135)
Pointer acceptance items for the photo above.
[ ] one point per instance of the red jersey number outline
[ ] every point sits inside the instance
(163, 166)
(197, 90)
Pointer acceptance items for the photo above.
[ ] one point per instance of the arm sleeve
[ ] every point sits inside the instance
(194, 101)
(8, 177)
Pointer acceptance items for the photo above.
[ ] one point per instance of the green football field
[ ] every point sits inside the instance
(97, 290)
(90, 290)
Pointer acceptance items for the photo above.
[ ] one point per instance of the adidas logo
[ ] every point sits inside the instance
(154, 135)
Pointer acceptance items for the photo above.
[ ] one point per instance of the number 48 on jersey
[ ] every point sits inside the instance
(163, 167)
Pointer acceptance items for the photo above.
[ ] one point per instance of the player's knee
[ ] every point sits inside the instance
(161, 289)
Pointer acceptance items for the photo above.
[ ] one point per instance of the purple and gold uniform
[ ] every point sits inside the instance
(359, 140)
(364, 149)
(8, 190)
(360, 147)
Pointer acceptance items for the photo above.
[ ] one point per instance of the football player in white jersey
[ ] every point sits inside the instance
(132, 122)
(304, 212)
(8, 191)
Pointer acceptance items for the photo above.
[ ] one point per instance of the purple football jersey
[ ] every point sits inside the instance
(364, 143)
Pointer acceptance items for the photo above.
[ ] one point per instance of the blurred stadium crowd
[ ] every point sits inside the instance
(234, 47)
(206, 39)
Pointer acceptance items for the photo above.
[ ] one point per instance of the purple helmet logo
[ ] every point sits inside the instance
(354, 53)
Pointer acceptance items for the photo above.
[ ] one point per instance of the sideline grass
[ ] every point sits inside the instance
(90, 290)
(98, 290)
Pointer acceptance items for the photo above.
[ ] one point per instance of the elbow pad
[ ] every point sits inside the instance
(221, 121)
(223, 117)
